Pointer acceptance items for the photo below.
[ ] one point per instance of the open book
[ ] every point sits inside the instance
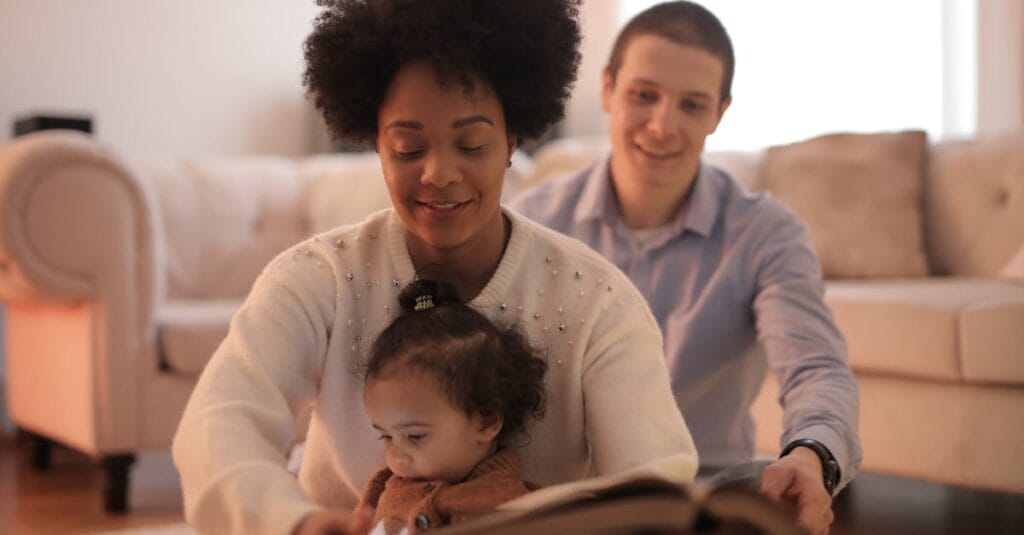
(639, 501)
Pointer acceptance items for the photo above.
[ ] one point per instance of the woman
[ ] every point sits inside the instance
(444, 89)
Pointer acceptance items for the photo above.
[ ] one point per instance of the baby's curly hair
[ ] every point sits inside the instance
(527, 51)
(484, 370)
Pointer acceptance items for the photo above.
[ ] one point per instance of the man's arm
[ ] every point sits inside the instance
(807, 353)
(805, 349)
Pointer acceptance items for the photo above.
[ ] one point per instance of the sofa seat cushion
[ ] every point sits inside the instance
(189, 332)
(949, 329)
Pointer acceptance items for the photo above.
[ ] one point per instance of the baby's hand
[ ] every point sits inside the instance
(336, 523)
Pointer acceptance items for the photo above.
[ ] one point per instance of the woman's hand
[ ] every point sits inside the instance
(359, 522)
(796, 478)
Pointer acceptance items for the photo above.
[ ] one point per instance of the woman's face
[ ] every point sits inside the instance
(443, 152)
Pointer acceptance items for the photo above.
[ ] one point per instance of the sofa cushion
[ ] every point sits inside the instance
(342, 189)
(1014, 269)
(190, 331)
(224, 219)
(950, 329)
(974, 204)
(566, 155)
(860, 196)
(992, 338)
(743, 165)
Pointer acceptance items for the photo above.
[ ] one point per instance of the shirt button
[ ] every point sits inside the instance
(422, 521)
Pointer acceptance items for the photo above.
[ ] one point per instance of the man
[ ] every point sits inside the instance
(730, 275)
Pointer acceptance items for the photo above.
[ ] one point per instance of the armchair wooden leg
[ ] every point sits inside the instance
(42, 453)
(116, 469)
(41, 449)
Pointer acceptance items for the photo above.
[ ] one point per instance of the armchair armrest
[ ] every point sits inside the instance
(78, 253)
(73, 222)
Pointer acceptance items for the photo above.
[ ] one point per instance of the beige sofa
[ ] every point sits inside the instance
(120, 274)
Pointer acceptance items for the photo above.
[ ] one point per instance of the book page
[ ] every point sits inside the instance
(676, 471)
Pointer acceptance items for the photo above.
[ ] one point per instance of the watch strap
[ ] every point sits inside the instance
(829, 466)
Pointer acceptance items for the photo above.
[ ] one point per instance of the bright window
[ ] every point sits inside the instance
(807, 67)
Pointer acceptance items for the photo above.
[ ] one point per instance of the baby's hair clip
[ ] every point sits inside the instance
(424, 302)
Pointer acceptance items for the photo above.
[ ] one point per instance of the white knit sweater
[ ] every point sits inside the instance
(303, 335)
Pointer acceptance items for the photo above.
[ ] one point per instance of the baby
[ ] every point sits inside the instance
(447, 391)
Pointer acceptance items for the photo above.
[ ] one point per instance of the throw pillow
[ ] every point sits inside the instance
(343, 189)
(1014, 269)
(860, 196)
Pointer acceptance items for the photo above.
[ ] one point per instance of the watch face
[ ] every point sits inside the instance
(829, 466)
(831, 474)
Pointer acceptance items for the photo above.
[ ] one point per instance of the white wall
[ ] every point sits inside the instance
(993, 96)
(1000, 66)
(170, 77)
(599, 24)
(183, 77)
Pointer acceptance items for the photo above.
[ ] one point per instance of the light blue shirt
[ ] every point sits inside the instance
(736, 288)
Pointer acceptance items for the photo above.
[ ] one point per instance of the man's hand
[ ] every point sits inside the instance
(797, 478)
(336, 523)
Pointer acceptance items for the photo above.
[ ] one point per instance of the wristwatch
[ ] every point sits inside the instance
(829, 466)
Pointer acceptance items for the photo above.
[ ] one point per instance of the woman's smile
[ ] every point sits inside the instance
(443, 209)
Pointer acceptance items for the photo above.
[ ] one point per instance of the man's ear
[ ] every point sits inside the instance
(607, 86)
(721, 112)
(488, 428)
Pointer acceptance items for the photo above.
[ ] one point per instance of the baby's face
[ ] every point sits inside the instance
(425, 436)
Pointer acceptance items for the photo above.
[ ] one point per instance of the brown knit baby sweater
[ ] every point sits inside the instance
(421, 505)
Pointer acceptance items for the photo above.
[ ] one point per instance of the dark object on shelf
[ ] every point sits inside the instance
(35, 123)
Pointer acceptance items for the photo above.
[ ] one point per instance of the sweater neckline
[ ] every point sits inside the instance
(499, 283)
(504, 461)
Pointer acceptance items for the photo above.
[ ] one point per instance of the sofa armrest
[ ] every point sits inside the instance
(78, 231)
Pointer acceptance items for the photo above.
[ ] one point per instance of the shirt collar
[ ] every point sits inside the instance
(704, 203)
(700, 210)
(597, 199)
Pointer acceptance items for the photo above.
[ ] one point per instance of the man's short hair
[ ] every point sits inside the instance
(684, 23)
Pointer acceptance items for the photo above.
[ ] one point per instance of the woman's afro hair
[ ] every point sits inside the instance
(525, 50)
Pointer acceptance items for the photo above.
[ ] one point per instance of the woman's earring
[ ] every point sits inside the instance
(509, 165)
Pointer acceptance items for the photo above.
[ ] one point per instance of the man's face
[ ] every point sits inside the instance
(663, 103)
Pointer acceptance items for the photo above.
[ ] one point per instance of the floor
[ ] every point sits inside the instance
(66, 500)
